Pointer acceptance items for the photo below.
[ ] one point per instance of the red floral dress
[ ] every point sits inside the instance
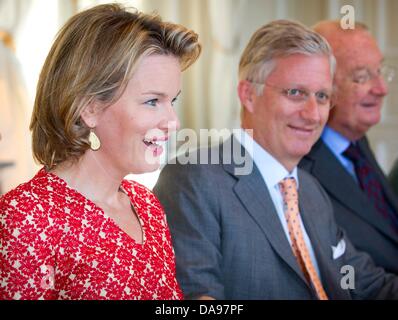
(57, 244)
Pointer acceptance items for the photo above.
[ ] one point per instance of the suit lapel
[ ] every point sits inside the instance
(253, 193)
(342, 187)
(389, 193)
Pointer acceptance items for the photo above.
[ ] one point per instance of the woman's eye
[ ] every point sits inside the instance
(152, 102)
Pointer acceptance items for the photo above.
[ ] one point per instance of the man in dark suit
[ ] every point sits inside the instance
(342, 161)
(262, 229)
(393, 177)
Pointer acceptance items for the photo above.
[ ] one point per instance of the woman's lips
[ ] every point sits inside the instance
(153, 143)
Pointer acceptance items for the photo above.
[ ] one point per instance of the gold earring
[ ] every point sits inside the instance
(95, 142)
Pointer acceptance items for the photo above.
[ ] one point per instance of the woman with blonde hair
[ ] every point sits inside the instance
(104, 105)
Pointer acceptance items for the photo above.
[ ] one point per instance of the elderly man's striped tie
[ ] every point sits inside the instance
(370, 184)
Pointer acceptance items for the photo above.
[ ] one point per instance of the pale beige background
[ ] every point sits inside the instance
(209, 97)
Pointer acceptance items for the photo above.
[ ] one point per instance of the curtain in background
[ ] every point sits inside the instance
(16, 163)
(209, 98)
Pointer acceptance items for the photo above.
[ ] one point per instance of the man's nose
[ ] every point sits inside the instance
(311, 109)
(379, 86)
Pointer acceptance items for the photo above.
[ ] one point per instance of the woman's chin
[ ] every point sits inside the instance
(145, 168)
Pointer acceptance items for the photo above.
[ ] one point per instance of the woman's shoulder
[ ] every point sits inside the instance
(137, 189)
(28, 195)
(141, 194)
(21, 193)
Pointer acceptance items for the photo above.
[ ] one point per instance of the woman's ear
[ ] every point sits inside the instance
(246, 92)
(90, 114)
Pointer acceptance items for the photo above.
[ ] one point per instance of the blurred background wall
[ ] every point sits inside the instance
(209, 98)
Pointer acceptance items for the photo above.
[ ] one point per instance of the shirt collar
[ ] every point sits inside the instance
(335, 140)
(270, 169)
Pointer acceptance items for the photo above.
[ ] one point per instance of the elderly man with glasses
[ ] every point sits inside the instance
(364, 204)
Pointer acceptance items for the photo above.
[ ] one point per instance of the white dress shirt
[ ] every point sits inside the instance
(273, 173)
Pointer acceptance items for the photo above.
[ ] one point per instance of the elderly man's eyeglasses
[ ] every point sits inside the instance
(364, 75)
(300, 94)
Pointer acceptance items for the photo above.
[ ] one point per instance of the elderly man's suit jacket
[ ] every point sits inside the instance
(366, 228)
(230, 244)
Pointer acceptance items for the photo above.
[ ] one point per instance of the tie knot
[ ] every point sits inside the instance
(288, 188)
(353, 152)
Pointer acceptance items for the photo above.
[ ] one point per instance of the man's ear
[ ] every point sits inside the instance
(246, 92)
(90, 114)
(334, 97)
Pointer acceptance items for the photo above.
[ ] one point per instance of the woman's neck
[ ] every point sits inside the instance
(92, 177)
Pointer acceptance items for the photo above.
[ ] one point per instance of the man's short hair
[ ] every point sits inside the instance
(277, 39)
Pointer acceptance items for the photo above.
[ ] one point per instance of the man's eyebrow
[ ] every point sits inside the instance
(303, 87)
(365, 67)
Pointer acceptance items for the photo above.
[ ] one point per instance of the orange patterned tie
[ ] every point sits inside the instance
(288, 188)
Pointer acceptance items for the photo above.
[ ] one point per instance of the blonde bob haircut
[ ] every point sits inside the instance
(92, 59)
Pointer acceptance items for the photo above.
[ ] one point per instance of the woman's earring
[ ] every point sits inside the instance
(95, 142)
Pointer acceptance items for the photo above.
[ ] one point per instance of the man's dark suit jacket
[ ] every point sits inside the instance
(230, 243)
(393, 177)
(365, 227)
